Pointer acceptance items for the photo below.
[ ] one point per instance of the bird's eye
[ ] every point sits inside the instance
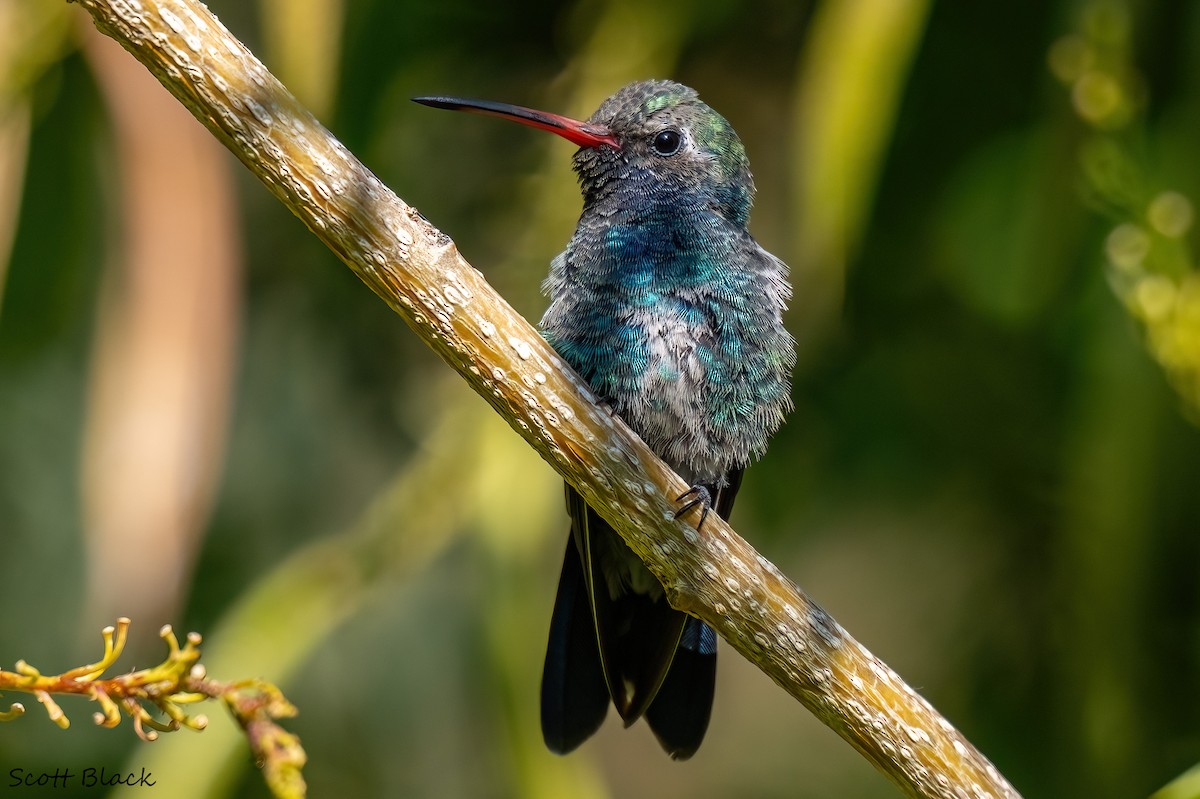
(667, 142)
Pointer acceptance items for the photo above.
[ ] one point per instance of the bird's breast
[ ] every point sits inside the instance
(675, 332)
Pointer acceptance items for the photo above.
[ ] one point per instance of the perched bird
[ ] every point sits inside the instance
(672, 312)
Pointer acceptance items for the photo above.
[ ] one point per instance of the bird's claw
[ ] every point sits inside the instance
(701, 496)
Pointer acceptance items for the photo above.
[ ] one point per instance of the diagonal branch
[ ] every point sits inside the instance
(417, 270)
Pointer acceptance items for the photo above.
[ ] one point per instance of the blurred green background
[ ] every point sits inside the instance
(990, 478)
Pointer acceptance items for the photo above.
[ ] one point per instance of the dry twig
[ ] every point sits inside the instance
(169, 687)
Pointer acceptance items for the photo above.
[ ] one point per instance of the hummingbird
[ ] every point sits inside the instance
(673, 314)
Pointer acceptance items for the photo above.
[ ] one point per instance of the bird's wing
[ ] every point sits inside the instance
(679, 714)
(637, 632)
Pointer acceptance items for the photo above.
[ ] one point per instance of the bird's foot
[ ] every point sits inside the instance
(701, 497)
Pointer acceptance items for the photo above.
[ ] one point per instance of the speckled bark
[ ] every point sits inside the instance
(418, 271)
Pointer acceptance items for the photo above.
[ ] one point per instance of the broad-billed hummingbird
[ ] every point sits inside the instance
(672, 312)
